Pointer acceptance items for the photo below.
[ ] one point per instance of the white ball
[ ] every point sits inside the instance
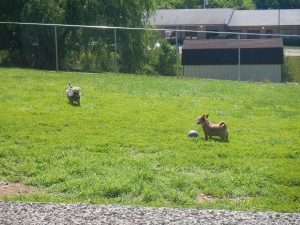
(193, 133)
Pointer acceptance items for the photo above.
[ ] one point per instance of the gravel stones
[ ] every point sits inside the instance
(47, 213)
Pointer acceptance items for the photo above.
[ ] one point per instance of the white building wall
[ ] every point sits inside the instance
(255, 73)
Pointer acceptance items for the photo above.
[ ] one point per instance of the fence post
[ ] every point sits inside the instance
(177, 53)
(56, 54)
(239, 58)
(115, 54)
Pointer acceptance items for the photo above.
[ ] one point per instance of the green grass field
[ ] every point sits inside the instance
(127, 143)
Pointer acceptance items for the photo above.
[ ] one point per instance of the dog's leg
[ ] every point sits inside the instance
(224, 137)
(206, 137)
(227, 136)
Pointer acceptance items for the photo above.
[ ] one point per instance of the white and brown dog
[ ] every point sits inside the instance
(73, 94)
(210, 129)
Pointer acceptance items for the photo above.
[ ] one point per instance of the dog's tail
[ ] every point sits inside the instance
(222, 124)
(70, 85)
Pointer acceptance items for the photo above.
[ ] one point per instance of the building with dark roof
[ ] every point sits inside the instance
(260, 59)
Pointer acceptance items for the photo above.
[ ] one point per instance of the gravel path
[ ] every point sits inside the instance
(46, 213)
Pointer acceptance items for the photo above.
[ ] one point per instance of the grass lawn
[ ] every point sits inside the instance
(293, 47)
(127, 143)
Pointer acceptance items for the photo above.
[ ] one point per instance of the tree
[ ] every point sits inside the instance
(180, 4)
(10, 11)
(37, 42)
(195, 4)
(266, 4)
(290, 4)
(165, 62)
(235, 4)
(276, 4)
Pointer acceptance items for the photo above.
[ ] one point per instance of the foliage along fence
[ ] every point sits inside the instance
(96, 48)
(90, 49)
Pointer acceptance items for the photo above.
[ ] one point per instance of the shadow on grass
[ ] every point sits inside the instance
(216, 140)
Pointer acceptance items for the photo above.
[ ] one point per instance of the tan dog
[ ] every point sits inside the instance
(210, 129)
(73, 94)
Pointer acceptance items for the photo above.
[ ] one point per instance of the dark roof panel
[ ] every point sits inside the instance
(225, 52)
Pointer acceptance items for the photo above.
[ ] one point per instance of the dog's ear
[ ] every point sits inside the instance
(207, 116)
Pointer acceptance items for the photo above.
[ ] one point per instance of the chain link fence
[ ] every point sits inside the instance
(98, 48)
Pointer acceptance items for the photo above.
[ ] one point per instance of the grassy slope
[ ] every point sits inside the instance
(128, 144)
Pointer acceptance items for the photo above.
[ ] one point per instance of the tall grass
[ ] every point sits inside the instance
(127, 143)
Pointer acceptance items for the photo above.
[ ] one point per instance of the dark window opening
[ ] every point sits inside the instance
(249, 36)
(190, 35)
(269, 32)
(212, 35)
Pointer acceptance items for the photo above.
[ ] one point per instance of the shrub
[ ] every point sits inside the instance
(286, 71)
(162, 60)
(8, 58)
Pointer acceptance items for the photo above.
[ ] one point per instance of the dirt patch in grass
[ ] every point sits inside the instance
(207, 198)
(8, 189)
